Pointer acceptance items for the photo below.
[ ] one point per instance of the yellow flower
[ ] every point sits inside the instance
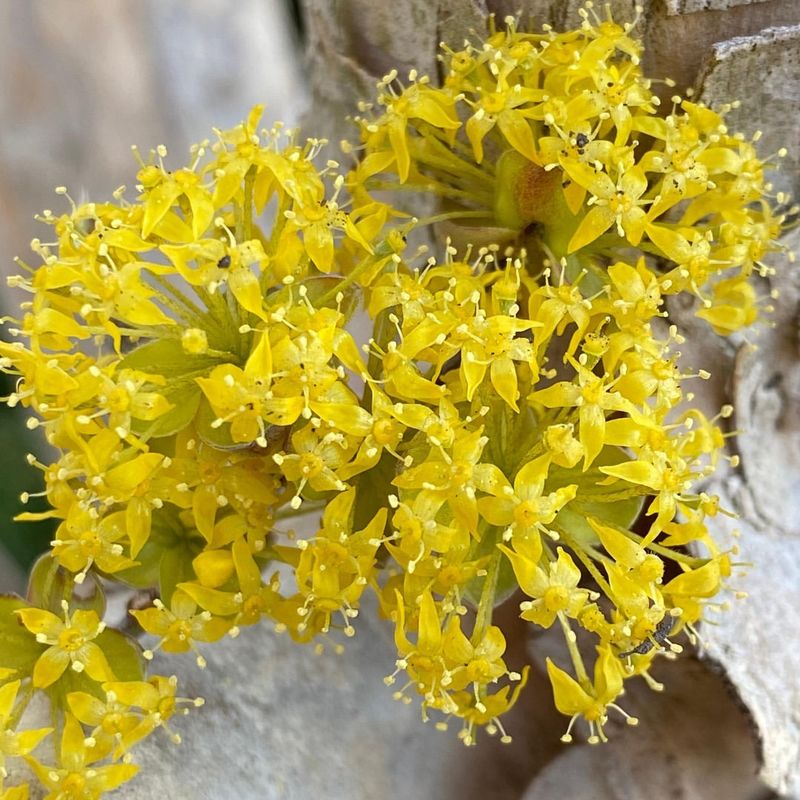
(77, 775)
(480, 663)
(155, 703)
(590, 701)
(416, 101)
(555, 591)
(82, 540)
(593, 397)
(334, 568)
(254, 598)
(614, 203)
(70, 644)
(111, 721)
(501, 107)
(455, 478)
(317, 223)
(525, 510)
(491, 343)
(180, 626)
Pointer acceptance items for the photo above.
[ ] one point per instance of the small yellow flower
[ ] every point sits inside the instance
(590, 701)
(525, 510)
(180, 626)
(70, 644)
(77, 775)
(554, 591)
(593, 396)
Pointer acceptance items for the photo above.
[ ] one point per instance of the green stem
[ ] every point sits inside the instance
(428, 188)
(483, 619)
(574, 653)
(454, 215)
(23, 698)
(586, 561)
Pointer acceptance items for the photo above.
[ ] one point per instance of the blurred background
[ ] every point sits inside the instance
(80, 82)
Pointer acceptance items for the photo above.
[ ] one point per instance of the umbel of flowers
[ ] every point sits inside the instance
(515, 422)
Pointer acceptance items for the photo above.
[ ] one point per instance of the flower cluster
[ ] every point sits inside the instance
(516, 419)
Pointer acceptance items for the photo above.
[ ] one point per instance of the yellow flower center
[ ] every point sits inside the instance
(479, 670)
(527, 514)
(91, 545)
(592, 391)
(450, 575)
(555, 598)
(311, 465)
(119, 400)
(651, 569)
(392, 360)
(180, 631)
(421, 664)
(642, 629)
(386, 431)
(461, 472)
(461, 62)
(620, 203)
(315, 213)
(73, 786)
(331, 554)
(71, 640)
(210, 473)
(497, 344)
(494, 102)
(595, 712)
(520, 50)
(112, 723)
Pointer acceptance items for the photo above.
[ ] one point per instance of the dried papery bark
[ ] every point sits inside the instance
(723, 50)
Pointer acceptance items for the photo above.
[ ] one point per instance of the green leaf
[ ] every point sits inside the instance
(145, 573)
(123, 653)
(167, 534)
(176, 567)
(372, 488)
(486, 546)
(185, 398)
(19, 649)
(49, 584)
(168, 358)
(621, 512)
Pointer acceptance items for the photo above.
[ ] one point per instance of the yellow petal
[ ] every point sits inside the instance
(247, 290)
(592, 226)
(94, 659)
(37, 620)
(430, 629)
(50, 667)
(569, 697)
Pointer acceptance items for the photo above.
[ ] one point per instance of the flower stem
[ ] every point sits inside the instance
(574, 653)
(483, 618)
